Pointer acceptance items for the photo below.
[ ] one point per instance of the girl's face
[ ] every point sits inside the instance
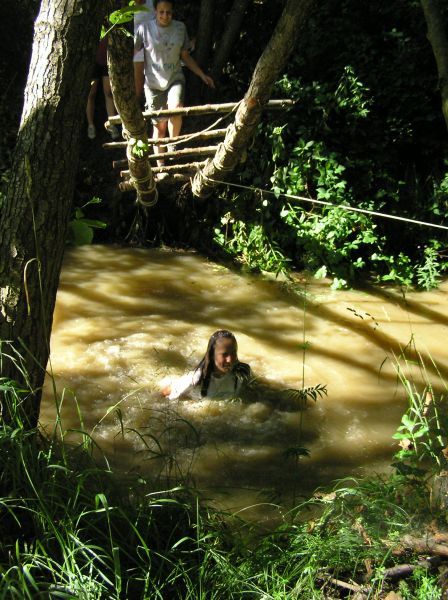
(225, 355)
(164, 13)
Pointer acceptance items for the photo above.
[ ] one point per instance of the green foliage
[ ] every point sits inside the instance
(423, 586)
(251, 244)
(122, 16)
(139, 148)
(301, 396)
(423, 434)
(126, 14)
(70, 528)
(428, 273)
(366, 132)
(81, 229)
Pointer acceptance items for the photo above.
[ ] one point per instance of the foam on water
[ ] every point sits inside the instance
(127, 318)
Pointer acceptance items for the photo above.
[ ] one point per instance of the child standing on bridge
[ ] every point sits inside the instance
(218, 375)
(100, 71)
(165, 44)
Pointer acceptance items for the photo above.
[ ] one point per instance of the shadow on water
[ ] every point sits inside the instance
(127, 318)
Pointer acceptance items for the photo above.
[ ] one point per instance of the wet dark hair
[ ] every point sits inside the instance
(208, 361)
(156, 2)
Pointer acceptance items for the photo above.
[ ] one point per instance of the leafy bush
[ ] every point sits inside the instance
(366, 132)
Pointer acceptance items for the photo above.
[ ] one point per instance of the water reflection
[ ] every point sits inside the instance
(126, 318)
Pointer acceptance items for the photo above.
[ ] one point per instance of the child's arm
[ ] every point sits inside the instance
(181, 386)
(166, 391)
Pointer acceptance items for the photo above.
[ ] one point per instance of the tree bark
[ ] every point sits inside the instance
(120, 52)
(439, 43)
(203, 47)
(229, 36)
(205, 32)
(38, 199)
(268, 68)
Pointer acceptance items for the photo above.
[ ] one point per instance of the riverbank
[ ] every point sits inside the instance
(74, 528)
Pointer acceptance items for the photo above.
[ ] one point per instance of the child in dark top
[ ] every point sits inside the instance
(100, 72)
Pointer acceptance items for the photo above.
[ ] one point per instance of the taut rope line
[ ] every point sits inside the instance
(324, 203)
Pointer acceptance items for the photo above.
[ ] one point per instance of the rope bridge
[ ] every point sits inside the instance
(185, 154)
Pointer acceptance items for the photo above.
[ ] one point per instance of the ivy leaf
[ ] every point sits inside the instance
(124, 15)
(81, 232)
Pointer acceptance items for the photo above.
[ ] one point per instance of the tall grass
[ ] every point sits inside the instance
(70, 528)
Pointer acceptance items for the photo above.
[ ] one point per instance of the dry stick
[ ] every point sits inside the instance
(424, 545)
(397, 572)
(206, 109)
(349, 586)
(206, 151)
(206, 135)
(400, 571)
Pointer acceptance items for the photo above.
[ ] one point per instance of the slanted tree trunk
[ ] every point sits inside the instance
(120, 52)
(267, 70)
(38, 200)
(439, 42)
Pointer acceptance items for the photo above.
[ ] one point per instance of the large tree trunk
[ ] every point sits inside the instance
(203, 48)
(229, 36)
(269, 66)
(38, 200)
(439, 42)
(120, 51)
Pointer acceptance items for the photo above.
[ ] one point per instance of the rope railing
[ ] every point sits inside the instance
(345, 207)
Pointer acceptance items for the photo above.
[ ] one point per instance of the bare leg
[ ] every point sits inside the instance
(110, 106)
(139, 78)
(175, 95)
(159, 131)
(90, 109)
(175, 125)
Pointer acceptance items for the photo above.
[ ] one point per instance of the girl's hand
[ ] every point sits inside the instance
(208, 81)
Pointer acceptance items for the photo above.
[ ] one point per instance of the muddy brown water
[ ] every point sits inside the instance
(127, 318)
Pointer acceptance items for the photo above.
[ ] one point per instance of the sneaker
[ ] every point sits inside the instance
(112, 130)
(91, 132)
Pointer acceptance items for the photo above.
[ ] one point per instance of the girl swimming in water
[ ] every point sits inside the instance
(218, 375)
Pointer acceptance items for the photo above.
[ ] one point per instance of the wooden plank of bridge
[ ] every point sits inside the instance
(202, 135)
(206, 109)
(205, 151)
(194, 166)
(178, 171)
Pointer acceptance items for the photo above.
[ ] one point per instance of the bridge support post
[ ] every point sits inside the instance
(120, 52)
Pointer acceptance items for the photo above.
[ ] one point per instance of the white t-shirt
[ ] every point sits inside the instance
(162, 47)
(224, 387)
(143, 16)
